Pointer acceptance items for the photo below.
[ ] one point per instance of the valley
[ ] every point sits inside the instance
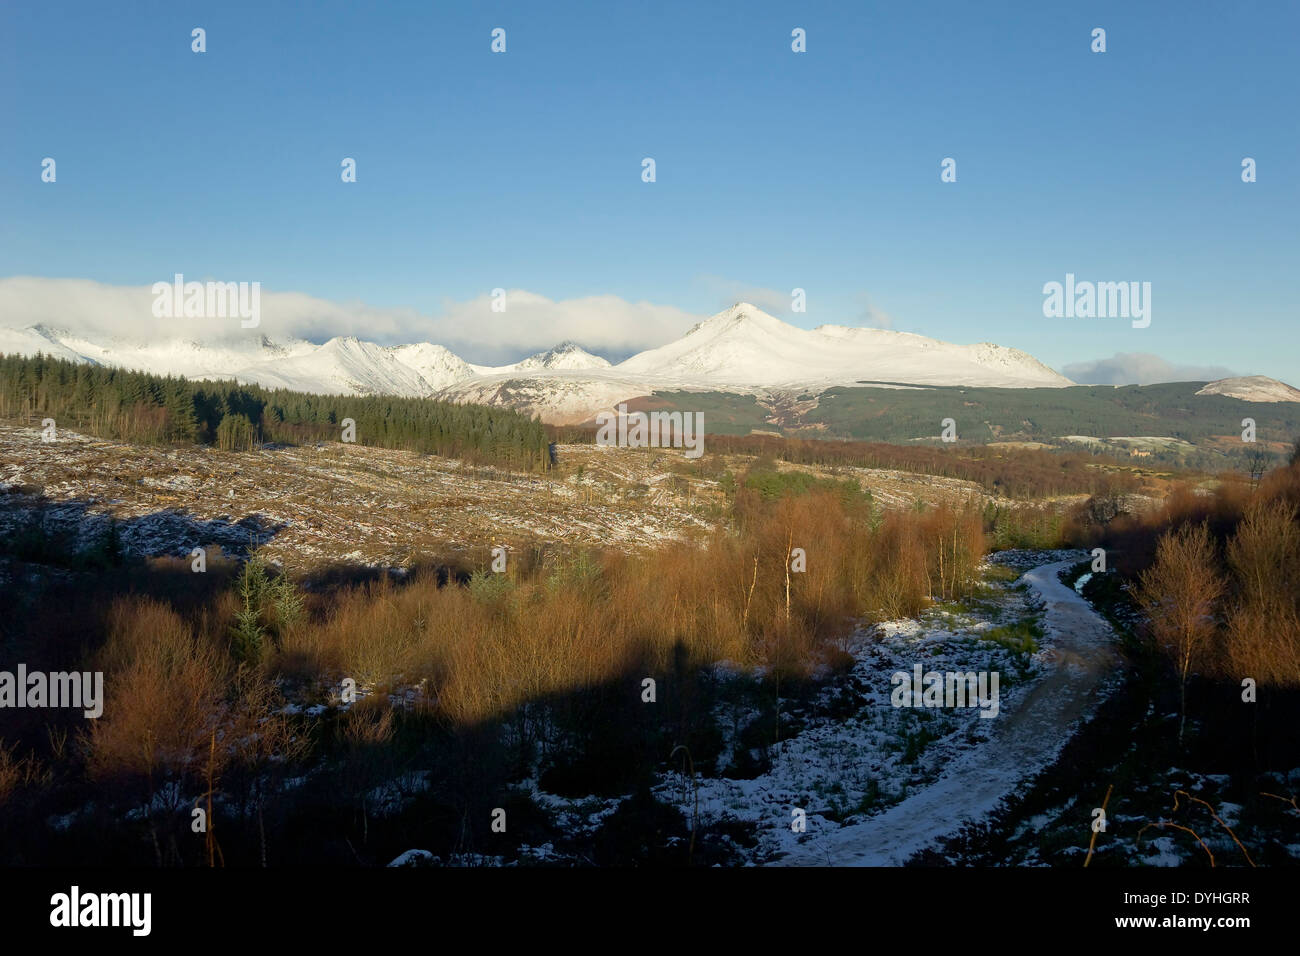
(314, 504)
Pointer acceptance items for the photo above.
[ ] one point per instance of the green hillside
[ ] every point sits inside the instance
(982, 415)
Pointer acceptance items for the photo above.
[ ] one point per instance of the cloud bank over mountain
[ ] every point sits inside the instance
(1140, 368)
(741, 349)
(530, 322)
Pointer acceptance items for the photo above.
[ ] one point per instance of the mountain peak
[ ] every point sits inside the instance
(741, 317)
(744, 346)
(742, 349)
(746, 312)
(566, 355)
(47, 331)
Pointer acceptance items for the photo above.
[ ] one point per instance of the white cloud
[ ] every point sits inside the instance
(727, 292)
(1140, 368)
(604, 324)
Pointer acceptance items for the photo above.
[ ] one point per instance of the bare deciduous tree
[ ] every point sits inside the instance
(1180, 594)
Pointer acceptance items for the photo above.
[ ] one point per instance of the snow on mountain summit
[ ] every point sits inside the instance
(1253, 388)
(344, 364)
(566, 355)
(740, 349)
(37, 338)
(743, 345)
(437, 365)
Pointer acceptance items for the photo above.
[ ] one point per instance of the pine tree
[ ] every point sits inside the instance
(182, 419)
(248, 634)
(235, 433)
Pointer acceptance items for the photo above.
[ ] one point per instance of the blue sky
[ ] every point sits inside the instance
(775, 170)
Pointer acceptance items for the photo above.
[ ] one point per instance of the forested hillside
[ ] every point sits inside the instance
(135, 406)
(912, 414)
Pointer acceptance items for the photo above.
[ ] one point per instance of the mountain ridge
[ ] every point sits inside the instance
(740, 349)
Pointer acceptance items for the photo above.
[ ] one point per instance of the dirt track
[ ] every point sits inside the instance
(1024, 740)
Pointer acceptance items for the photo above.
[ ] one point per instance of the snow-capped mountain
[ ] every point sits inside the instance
(214, 359)
(743, 346)
(34, 339)
(341, 365)
(438, 366)
(566, 355)
(1253, 388)
(741, 349)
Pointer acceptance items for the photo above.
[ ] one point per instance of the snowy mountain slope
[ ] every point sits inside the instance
(1253, 388)
(438, 366)
(741, 349)
(745, 346)
(560, 397)
(341, 365)
(192, 359)
(34, 339)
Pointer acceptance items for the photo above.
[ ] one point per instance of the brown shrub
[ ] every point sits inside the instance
(1263, 632)
(164, 695)
(586, 619)
(1258, 602)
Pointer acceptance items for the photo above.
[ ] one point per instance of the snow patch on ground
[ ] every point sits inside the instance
(1025, 738)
